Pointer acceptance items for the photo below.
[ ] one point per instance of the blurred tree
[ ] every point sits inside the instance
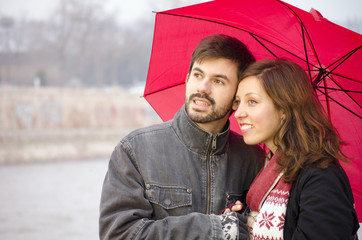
(80, 45)
(89, 44)
(6, 23)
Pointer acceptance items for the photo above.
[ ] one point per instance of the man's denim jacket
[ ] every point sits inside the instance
(167, 181)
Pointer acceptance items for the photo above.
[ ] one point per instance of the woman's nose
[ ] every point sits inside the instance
(240, 112)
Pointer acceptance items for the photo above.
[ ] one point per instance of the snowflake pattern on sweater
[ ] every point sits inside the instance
(269, 222)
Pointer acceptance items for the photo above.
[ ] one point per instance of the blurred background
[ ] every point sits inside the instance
(72, 74)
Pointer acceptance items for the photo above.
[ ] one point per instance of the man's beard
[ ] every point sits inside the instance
(215, 114)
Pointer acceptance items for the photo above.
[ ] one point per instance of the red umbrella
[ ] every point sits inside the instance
(331, 55)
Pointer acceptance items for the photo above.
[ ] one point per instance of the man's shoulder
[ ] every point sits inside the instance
(234, 136)
(237, 144)
(238, 140)
(148, 131)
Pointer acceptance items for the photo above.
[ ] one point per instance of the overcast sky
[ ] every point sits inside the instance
(334, 10)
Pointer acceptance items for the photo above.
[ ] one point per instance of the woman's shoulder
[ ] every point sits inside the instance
(326, 177)
(321, 195)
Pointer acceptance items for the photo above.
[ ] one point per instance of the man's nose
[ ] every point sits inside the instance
(204, 86)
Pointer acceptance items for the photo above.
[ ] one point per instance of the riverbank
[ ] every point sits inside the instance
(27, 146)
(52, 124)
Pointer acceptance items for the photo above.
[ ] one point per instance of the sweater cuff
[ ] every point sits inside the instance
(229, 224)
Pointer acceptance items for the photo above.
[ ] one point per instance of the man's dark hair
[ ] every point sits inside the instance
(223, 46)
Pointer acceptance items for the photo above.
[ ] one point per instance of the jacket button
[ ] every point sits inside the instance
(167, 202)
(228, 196)
(188, 190)
(148, 186)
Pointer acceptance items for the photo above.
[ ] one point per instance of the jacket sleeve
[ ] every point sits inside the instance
(325, 206)
(126, 213)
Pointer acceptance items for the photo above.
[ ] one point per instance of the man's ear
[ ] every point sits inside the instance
(187, 78)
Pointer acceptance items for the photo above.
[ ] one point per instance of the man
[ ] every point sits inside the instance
(169, 181)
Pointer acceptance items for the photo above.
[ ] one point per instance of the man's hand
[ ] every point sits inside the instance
(243, 228)
(234, 226)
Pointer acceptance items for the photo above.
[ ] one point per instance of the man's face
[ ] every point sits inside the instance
(210, 91)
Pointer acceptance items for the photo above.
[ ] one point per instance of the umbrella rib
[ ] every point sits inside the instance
(349, 110)
(342, 59)
(263, 45)
(304, 27)
(329, 74)
(305, 52)
(343, 76)
(160, 90)
(305, 34)
(345, 57)
(257, 36)
(340, 90)
(327, 100)
(252, 34)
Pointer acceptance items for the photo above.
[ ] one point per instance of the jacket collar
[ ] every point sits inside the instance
(196, 138)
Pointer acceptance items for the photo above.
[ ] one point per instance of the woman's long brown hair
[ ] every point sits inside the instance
(306, 136)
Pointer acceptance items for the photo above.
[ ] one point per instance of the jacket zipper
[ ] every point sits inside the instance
(212, 147)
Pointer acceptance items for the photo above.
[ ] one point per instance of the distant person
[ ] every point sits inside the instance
(170, 181)
(302, 192)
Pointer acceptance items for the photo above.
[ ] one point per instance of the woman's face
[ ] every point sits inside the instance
(256, 114)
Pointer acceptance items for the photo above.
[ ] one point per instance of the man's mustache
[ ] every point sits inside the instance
(199, 95)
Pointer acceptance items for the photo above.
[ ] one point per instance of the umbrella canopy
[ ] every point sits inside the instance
(330, 54)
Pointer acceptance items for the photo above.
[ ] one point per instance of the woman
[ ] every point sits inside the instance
(302, 192)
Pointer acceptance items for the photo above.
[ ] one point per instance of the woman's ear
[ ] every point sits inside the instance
(282, 118)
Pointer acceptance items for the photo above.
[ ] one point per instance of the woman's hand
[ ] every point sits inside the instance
(236, 207)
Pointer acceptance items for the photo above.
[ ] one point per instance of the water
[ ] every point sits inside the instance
(51, 200)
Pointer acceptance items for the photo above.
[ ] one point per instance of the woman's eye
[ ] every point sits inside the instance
(252, 102)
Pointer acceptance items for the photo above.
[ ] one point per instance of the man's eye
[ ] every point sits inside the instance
(197, 75)
(219, 82)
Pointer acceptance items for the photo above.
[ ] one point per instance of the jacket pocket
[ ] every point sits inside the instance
(169, 197)
(232, 197)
